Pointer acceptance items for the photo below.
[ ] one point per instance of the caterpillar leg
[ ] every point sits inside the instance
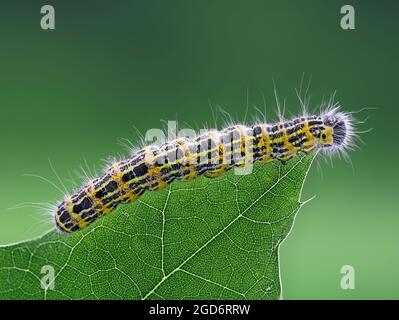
(214, 173)
(218, 171)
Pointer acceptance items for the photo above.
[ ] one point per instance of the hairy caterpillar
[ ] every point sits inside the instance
(210, 154)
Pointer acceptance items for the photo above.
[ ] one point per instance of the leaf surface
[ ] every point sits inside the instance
(203, 239)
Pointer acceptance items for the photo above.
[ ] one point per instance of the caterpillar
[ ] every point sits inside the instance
(210, 154)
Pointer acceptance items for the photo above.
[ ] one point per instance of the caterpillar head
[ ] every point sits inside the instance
(338, 130)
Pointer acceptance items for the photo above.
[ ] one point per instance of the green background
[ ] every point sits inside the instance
(70, 94)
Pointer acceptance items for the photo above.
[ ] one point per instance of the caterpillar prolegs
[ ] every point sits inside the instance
(210, 154)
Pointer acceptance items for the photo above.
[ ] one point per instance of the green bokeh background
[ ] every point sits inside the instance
(70, 94)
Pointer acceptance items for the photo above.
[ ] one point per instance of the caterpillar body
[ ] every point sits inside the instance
(211, 154)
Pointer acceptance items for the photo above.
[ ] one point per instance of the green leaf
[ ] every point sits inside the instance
(203, 239)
